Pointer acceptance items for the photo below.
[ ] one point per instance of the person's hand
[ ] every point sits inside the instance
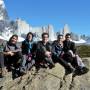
(10, 53)
(62, 54)
(47, 53)
(74, 55)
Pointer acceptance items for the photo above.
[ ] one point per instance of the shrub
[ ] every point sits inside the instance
(83, 50)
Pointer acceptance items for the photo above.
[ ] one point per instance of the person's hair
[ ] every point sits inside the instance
(68, 34)
(60, 35)
(45, 34)
(30, 34)
(12, 37)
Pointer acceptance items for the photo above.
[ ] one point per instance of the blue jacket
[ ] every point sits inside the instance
(56, 49)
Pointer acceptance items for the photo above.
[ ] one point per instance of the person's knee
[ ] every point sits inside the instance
(19, 54)
(33, 62)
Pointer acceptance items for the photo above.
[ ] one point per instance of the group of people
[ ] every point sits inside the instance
(42, 53)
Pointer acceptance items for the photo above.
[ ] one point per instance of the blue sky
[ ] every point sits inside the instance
(75, 13)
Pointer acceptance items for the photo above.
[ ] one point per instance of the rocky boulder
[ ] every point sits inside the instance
(48, 79)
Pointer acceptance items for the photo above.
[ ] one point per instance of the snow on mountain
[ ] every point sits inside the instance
(81, 41)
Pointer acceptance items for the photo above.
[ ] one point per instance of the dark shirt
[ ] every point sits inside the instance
(69, 45)
(41, 49)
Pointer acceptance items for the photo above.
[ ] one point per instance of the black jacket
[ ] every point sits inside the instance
(41, 49)
(69, 45)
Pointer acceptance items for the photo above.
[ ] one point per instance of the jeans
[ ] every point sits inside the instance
(61, 61)
(13, 60)
(75, 60)
(25, 64)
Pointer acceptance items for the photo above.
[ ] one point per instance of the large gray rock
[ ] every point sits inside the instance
(48, 79)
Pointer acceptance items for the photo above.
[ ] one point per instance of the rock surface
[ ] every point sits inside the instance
(48, 79)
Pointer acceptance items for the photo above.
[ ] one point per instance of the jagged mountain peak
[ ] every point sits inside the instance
(3, 11)
(2, 3)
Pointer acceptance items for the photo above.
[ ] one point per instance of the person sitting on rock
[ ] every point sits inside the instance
(28, 51)
(43, 52)
(57, 54)
(12, 54)
(71, 55)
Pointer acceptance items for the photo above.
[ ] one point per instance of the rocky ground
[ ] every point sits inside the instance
(48, 79)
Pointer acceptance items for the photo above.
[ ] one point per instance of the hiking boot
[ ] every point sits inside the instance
(84, 70)
(45, 65)
(51, 66)
(70, 69)
(81, 71)
(23, 71)
(2, 72)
